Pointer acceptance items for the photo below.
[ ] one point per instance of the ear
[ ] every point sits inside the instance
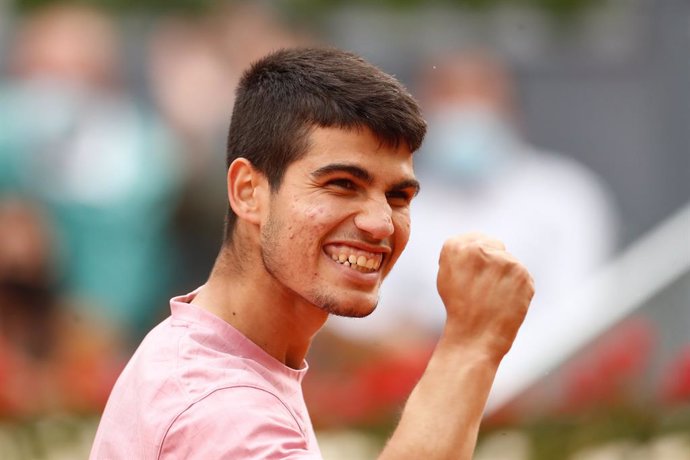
(247, 189)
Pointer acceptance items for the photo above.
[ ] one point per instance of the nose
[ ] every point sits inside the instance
(376, 219)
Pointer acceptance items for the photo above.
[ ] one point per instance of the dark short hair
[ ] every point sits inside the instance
(284, 95)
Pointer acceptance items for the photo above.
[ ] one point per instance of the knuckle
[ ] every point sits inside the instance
(450, 245)
(511, 265)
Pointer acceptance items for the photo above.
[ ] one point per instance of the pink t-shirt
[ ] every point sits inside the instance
(196, 388)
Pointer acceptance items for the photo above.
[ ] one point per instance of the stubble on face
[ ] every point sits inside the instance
(271, 238)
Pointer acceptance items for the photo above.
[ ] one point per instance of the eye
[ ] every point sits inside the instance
(345, 184)
(399, 198)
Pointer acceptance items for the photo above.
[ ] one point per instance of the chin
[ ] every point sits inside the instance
(347, 309)
(351, 312)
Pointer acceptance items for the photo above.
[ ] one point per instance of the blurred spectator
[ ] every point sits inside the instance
(51, 359)
(194, 64)
(478, 174)
(72, 137)
(190, 85)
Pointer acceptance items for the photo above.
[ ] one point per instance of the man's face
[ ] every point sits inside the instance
(340, 220)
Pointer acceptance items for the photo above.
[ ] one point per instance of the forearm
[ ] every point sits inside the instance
(442, 416)
(486, 293)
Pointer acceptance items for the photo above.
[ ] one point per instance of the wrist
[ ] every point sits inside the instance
(473, 348)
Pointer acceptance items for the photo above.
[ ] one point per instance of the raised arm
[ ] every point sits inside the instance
(486, 293)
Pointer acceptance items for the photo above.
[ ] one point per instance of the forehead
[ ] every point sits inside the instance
(358, 147)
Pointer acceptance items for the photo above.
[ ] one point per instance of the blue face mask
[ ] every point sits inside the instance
(466, 145)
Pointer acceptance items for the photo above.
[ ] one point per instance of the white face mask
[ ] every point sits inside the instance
(466, 145)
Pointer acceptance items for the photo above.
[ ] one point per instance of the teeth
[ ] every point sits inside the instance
(357, 262)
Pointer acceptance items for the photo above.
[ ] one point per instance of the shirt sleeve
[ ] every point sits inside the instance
(238, 423)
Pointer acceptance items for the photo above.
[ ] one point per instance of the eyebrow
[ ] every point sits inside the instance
(356, 171)
(363, 175)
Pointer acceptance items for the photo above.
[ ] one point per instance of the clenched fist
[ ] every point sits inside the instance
(486, 292)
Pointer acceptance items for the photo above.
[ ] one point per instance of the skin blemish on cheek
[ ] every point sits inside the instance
(314, 212)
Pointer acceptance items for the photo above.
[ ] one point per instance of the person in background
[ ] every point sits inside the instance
(319, 184)
(190, 64)
(103, 165)
(52, 358)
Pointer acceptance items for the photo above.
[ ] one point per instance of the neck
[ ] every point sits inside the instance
(244, 294)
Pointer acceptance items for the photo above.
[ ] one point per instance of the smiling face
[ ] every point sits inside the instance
(340, 220)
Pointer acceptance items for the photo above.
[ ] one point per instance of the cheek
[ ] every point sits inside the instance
(299, 222)
(314, 212)
(303, 229)
(316, 219)
(401, 223)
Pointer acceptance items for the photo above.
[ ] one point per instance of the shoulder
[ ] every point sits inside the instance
(238, 421)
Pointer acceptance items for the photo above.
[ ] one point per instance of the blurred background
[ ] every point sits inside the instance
(560, 126)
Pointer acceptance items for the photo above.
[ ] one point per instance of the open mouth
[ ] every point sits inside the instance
(356, 259)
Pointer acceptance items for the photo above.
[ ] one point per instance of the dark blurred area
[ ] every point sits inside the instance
(559, 126)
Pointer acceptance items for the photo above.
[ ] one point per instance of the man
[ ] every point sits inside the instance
(320, 181)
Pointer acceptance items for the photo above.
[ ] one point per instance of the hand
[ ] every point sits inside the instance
(486, 292)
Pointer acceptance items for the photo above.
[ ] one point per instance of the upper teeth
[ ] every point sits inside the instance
(357, 261)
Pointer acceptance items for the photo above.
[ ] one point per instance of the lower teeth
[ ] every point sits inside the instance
(359, 268)
(356, 267)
